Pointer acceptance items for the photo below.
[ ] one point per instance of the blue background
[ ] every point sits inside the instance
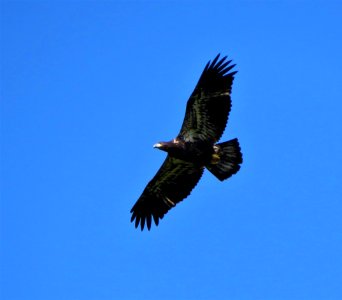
(88, 87)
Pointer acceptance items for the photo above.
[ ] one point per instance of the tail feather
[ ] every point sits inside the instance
(226, 160)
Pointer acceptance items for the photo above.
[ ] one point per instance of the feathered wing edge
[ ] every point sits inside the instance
(173, 182)
(219, 66)
(209, 105)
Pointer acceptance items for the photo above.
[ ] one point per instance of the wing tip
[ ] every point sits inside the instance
(140, 220)
(222, 66)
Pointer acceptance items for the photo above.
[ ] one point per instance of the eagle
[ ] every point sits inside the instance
(195, 148)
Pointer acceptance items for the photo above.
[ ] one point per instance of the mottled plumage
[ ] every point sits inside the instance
(195, 146)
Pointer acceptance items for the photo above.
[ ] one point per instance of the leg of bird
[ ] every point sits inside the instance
(215, 157)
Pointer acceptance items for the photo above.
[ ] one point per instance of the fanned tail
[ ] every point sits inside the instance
(226, 160)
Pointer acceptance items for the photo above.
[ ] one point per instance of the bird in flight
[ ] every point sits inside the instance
(195, 147)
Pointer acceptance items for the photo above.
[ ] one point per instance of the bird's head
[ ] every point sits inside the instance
(171, 146)
(162, 146)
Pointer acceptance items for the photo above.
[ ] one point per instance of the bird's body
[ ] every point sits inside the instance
(195, 148)
(198, 152)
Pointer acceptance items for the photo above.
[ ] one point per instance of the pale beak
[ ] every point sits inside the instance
(158, 145)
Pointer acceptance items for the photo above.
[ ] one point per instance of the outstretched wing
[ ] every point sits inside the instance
(209, 105)
(172, 183)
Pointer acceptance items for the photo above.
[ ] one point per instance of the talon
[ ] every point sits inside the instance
(215, 158)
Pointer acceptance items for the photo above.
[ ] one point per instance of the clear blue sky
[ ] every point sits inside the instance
(88, 87)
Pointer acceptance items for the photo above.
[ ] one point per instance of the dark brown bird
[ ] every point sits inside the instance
(195, 148)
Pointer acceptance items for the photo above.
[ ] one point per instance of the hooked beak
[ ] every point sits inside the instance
(158, 145)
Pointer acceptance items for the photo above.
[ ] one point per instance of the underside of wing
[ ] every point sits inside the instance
(172, 183)
(209, 105)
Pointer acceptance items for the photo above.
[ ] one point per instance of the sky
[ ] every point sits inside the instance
(87, 87)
